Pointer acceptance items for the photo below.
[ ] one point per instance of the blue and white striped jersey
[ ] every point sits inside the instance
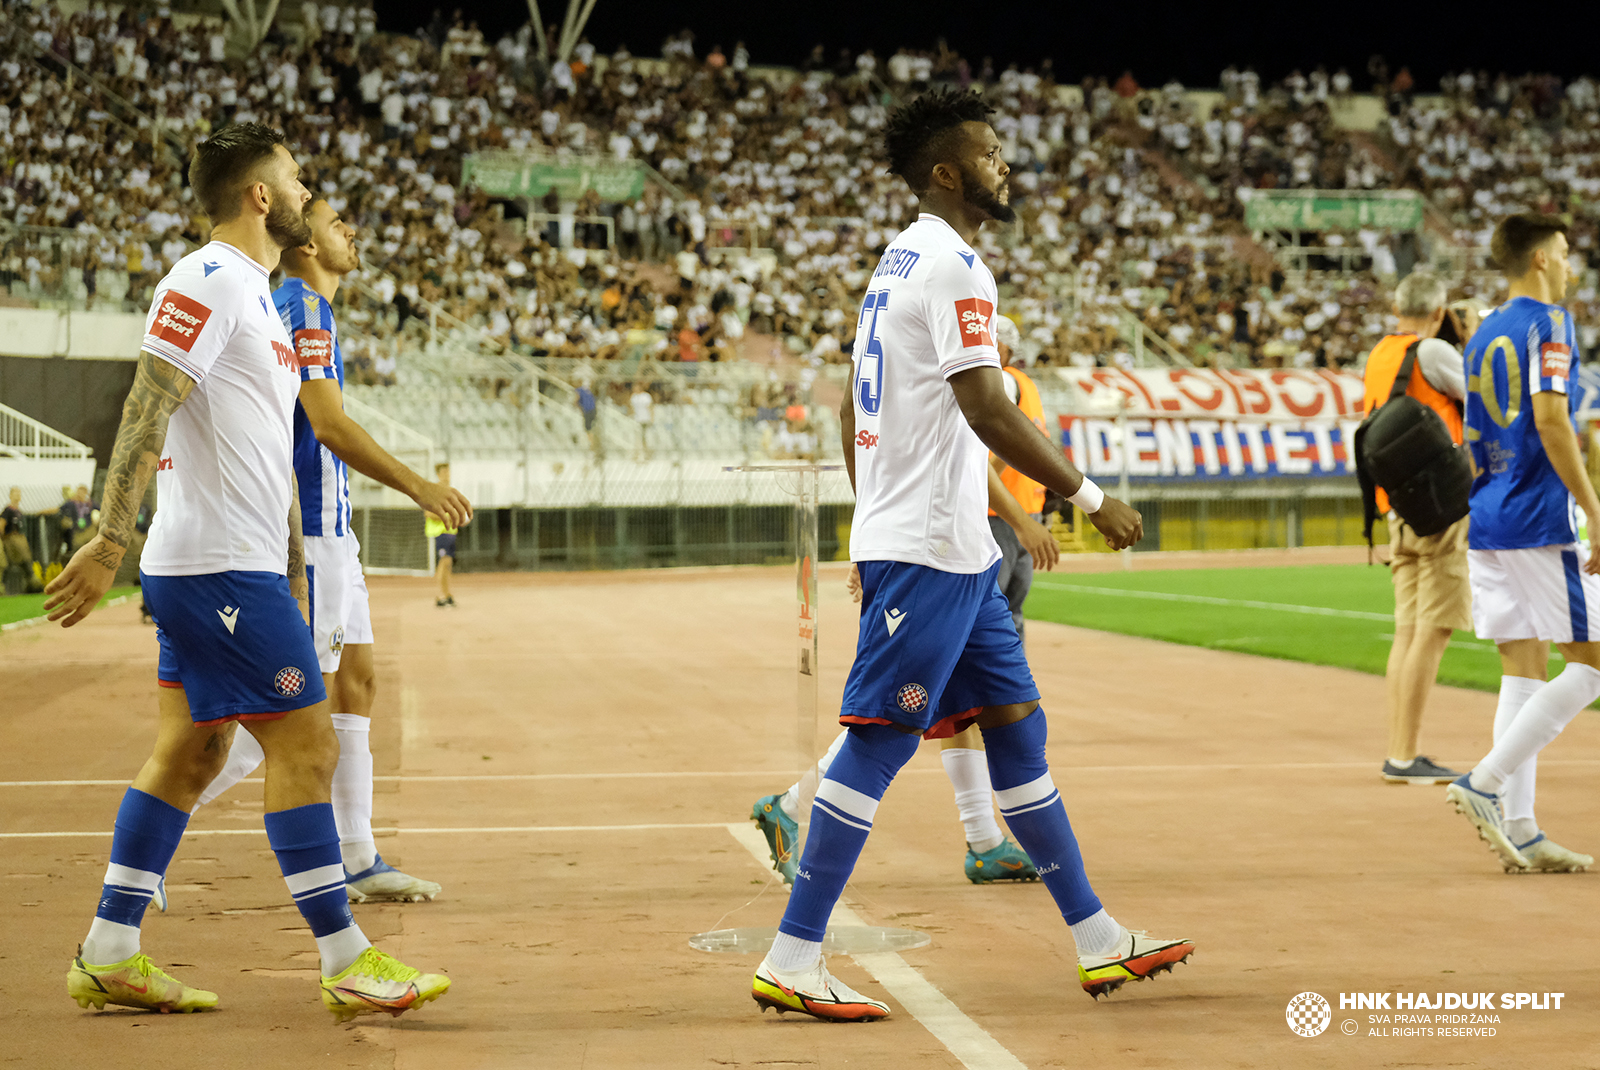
(324, 481)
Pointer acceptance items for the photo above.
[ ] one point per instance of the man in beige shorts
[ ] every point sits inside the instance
(1432, 597)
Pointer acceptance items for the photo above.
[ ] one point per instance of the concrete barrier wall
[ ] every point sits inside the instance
(74, 334)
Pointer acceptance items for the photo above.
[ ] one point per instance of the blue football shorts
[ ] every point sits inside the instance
(444, 546)
(934, 649)
(236, 643)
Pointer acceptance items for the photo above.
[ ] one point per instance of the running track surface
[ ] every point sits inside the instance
(1229, 799)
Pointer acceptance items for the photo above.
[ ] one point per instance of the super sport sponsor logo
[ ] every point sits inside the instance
(866, 439)
(179, 320)
(972, 318)
(314, 348)
(1554, 360)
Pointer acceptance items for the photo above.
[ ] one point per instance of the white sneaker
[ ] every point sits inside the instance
(812, 992)
(1483, 810)
(1545, 855)
(1135, 957)
(382, 881)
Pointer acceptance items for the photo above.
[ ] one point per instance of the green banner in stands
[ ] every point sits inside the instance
(522, 176)
(1297, 210)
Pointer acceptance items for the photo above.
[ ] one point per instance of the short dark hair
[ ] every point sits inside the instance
(224, 163)
(920, 132)
(1519, 236)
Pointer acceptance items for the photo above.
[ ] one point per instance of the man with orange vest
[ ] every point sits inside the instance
(1016, 564)
(1432, 596)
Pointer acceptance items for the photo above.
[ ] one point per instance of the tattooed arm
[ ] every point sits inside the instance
(158, 389)
(299, 586)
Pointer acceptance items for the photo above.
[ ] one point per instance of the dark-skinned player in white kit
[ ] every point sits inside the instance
(938, 648)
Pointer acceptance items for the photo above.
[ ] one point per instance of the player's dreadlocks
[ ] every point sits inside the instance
(919, 133)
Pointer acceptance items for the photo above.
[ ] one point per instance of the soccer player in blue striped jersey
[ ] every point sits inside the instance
(1533, 581)
(326, 439)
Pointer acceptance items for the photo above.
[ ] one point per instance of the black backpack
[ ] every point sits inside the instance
(1405, 448)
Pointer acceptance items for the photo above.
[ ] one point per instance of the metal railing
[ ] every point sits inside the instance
(1149, 348)
(23, 437)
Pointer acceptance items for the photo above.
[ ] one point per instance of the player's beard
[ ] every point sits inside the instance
(984, 199)
(287, 225)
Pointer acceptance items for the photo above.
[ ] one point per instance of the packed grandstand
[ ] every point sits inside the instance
(766, 201)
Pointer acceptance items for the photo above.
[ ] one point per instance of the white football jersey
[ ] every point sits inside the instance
(223, 482)
(922, 485)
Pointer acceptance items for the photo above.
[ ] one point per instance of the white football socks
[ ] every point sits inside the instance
(792, 953)
(807, 784)
(1098, 934)
(110, 942)
(1540, 721)
(352, 792)
(338, 950)
(968, 771)
(244, 757)
(1516, 794)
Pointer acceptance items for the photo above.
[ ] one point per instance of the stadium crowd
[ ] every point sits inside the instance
(1130, 200)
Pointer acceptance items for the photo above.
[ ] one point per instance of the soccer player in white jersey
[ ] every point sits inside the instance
(223, 572)
(325, 440)
(937, 646)
(1533, 582)
(991, 857)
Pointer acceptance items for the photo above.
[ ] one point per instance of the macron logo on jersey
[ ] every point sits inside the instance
(968, 257)
(179, 320)
(314, 348)
(973, 316)
(210, 267)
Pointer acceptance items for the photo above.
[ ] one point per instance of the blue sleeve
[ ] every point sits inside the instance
(1551, 349)
(309, 321)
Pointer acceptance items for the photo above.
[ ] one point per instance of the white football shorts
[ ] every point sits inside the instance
(1537, 593)
(340, 611)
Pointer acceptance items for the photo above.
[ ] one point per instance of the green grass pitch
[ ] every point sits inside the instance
(27, 606)
(1324, 614)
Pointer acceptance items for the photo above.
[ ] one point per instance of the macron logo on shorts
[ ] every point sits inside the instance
(230, 617)
(179, 320)
(892, 619)
(973, 316)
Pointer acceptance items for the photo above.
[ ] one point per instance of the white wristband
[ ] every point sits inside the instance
(1089, 497)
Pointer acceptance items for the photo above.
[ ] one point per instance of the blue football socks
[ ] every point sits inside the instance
(1035, 814)
(306, 842)
(847, 800)
(146, 836)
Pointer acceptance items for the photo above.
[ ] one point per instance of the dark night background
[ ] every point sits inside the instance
(1193, 41)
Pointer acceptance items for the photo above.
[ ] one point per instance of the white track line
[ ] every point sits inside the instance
(1208, 600)
(966, 1039)
(405, 831)
(1224, 767)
